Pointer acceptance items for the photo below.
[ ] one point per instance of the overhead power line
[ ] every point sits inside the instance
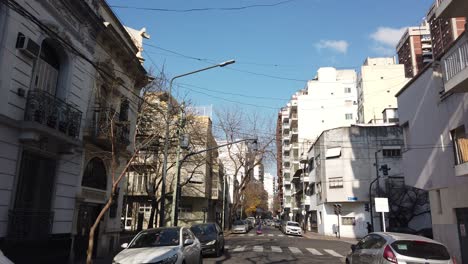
(202, 9)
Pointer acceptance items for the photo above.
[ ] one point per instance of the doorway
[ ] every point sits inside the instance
(87, 214)
(462, 223)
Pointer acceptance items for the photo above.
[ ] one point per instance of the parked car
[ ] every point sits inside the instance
(252, 220)
(292, 228)
(250, 224)
(239, 226)
(382, 248)
(4, 259)
(211, 238)
(161, 245)
(277, 223)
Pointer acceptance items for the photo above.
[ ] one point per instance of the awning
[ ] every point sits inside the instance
(333, 152)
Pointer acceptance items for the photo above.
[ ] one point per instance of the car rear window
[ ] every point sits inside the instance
(421, 249)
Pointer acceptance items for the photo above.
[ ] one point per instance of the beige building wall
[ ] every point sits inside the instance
(378, 82)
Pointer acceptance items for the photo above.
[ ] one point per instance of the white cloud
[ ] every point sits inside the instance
(384, 50)
(337, 45)
(388, 36)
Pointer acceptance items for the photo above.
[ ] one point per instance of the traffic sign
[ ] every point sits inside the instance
(381, 205)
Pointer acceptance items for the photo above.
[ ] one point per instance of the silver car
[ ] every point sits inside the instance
(240, 226)
(388, 248)
(175, 245)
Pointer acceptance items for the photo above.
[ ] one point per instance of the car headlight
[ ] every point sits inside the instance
(212, 242)
(169, 260)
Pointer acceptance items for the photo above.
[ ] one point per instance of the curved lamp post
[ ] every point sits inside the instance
(166, 139)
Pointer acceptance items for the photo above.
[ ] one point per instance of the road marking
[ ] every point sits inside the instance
(295, 250)
(333, 253)
(239, 249)
(261, 235)
(276, 249)
(270, 235)
(258, 248)
(227, 246)
(251, 234)
(314, 251)
(281, 235)
(242, 235)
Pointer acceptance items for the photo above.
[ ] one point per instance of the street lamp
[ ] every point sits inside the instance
(178, 190)
(166, 139)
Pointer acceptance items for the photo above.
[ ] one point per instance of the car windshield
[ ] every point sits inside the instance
(203, 229)
(421, 249)
(238, 222)
(157, 238)
(293, 224)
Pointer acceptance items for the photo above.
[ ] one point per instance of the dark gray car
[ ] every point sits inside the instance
(211, 238)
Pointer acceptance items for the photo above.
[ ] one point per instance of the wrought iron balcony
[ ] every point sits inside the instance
(26, 224)
(50, 111)
(100, 129)
(455, 67)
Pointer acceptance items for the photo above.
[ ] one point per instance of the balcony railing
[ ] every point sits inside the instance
(50, 111)
(456, 60)
(25, 224)
(103, 119)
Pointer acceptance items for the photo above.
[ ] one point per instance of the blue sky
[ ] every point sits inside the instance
(287, 41)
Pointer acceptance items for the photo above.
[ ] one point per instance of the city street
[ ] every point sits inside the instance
(275, 247)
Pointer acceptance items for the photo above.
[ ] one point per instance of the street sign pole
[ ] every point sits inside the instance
(383, 221)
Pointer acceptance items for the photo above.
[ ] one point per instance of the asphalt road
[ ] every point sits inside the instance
(275, 247)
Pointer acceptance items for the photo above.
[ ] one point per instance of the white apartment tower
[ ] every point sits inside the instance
(327, 101)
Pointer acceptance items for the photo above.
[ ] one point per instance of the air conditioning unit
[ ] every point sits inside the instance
(27, 46)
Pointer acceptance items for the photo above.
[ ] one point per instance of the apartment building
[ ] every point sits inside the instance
(341, 166)
(69, 72)
(444, 29)
(432, 112)
(378, 81)
(327, 101)
(415, 49)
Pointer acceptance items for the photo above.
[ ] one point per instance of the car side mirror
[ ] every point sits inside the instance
(188, 242)
(353, 248)
(124, 245)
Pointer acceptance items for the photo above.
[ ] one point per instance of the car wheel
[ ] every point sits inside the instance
(200, 261)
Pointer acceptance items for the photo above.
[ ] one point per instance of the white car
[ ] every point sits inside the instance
(170, 245)
(292, 228)
(388, 248)
(240, 226)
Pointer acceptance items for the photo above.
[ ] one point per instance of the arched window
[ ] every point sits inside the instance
(47, 68)
(95, 175)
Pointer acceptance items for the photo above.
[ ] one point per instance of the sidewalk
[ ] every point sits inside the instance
(313, 235)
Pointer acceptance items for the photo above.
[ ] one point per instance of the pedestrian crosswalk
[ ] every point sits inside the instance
(276, 249)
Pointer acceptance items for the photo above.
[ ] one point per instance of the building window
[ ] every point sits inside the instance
(391, 153)
(311, 164)
(348, 116)
(185, 211)
(460, 145)
(347, 90)
(406, 135)
(336, 182)
(348, 221)
(439, 202)
(196, 177)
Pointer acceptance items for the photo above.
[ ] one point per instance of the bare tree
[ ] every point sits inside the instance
(236, 124)
(405, 202)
